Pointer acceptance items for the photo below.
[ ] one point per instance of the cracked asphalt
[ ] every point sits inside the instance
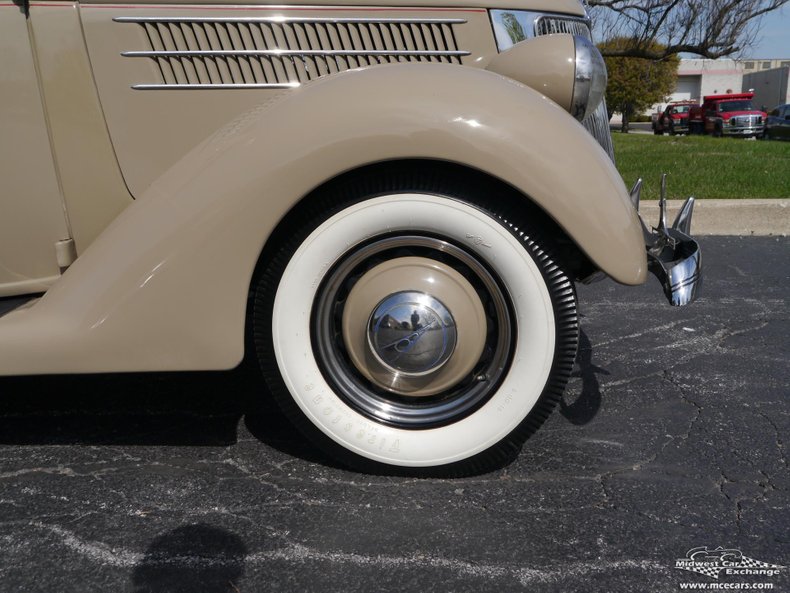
(672, 435)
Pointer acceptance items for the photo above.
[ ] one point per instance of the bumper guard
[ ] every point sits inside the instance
(673, 256)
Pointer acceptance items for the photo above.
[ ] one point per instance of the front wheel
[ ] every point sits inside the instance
(415, 333)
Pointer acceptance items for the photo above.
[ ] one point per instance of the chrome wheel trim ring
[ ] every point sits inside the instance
(375, 399)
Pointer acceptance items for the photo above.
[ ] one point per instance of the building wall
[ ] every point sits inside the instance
(698, 77)
(755, 65)
(770, 87)
(688, 88)
(714, 76)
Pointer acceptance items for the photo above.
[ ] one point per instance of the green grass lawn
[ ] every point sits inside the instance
(703, 166)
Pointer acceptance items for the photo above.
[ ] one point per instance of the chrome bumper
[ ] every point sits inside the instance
(743, 131)
(673, 256)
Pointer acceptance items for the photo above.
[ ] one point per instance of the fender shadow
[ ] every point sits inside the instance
(147, 409)
(585, 406)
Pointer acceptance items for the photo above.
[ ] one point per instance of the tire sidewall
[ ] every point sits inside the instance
(484, 237)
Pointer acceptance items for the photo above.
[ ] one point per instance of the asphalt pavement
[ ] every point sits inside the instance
(673, 435)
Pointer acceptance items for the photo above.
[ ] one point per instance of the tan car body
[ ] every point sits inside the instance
(161, 281)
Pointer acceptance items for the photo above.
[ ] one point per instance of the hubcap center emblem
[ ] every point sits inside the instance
(411, 333)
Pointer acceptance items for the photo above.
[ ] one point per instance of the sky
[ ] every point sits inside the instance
(771, 42)
(773, 39)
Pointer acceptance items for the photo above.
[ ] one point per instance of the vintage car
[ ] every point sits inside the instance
(777, 124)
(674, 119)
(388, 204)
(719, 554)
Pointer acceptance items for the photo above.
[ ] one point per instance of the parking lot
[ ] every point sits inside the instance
(672, 435)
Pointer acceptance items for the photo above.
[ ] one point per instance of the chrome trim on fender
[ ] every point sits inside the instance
(212, 87)
(673, 256)
(287, 19)
(241, 53)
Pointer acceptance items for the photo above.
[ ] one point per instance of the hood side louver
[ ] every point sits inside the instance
(284, 52)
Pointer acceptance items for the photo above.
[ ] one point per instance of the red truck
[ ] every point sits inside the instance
(727, 115)
(674, 119)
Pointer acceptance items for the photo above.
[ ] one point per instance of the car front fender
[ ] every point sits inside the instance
(165, 286)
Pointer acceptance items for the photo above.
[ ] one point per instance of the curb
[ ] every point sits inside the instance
(727, 217)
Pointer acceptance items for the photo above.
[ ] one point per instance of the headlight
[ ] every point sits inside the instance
(589, 83)
(567, 69)
(553, 54)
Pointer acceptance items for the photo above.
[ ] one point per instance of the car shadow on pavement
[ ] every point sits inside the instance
(191, 559)
(123, 409)
(188, 409)
(181, 409)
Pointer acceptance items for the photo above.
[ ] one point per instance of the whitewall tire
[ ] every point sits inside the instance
(413, 331)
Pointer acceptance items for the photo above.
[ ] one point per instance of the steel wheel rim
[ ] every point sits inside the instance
(381, 406)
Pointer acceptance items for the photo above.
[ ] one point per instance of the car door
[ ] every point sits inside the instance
(33, 219)
(665, 117)
(783, 123)
(710, 117)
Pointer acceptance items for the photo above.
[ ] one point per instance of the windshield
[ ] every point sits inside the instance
(742, 105)
(681, 108)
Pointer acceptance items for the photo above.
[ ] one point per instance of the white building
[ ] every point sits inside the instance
(699, 77)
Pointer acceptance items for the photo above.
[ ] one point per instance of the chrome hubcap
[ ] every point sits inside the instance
(412, 333)
(420, 356)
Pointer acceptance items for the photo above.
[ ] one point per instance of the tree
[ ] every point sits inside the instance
(636, 83)
(709, 28)
(514, 29)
